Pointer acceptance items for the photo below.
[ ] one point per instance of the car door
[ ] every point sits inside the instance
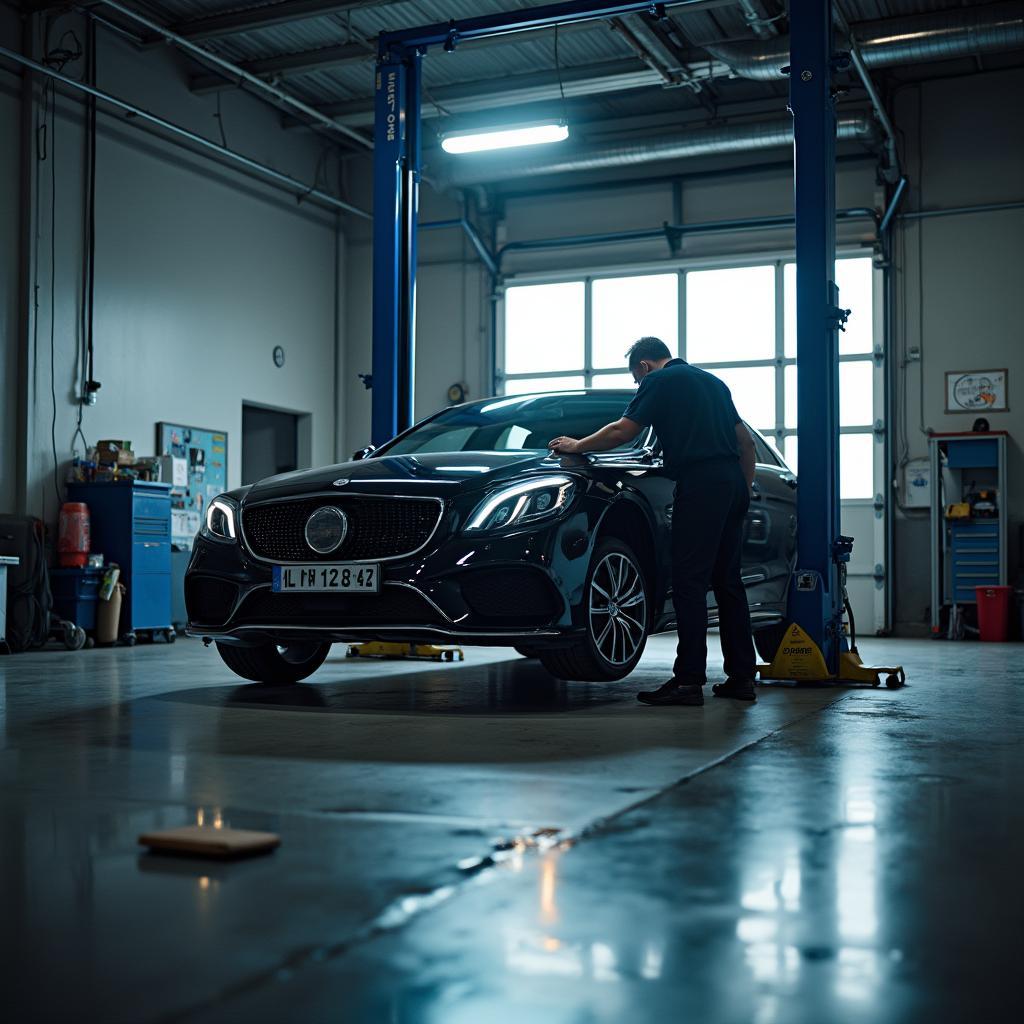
(769, 544)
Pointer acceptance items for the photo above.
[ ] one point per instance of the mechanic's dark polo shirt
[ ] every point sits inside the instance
(692, 413)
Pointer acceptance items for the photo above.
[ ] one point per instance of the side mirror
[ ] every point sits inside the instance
(364, 453)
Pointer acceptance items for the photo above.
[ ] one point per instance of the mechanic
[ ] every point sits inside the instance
(710, 454)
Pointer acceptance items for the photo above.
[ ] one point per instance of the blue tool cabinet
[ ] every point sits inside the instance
(972, 552)
(131, 525)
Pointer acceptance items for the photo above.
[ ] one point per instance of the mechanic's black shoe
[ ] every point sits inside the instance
(737, 689)
(672, 693)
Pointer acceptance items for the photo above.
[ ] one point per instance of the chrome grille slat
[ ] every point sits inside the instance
(381, 528)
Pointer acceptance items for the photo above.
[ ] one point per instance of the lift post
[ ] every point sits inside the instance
(396, 183)
(814, 646)
(815, 601)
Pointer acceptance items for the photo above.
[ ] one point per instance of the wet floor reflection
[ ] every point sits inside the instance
(508, 686)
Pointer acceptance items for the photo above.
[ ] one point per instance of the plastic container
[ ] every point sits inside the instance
(73, 535)
(993, 613)
(76, 594)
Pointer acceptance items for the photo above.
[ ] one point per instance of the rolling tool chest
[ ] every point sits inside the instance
(968, 518)
(131, 525)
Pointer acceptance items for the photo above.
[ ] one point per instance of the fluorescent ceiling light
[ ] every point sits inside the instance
(504, 138)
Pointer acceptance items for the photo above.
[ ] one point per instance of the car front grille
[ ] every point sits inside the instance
(393, 606)
(209, 600)
(509, 596)
(382, 527)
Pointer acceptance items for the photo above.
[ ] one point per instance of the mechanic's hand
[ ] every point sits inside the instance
(565, 446)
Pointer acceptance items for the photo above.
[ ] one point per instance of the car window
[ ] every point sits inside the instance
(520, 423)
(765, 456)
(444, 442)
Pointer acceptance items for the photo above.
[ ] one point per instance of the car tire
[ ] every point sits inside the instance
(767, 640)
(526, 652)
(269, 663)
(613, 642)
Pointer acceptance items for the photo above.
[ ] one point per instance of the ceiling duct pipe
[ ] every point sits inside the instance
(942, 35)
(700, 142)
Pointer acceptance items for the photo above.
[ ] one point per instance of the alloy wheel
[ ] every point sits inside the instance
(618, 608)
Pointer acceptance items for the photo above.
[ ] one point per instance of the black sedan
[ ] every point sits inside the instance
(466, 530)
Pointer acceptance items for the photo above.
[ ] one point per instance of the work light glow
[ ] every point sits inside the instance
(506, 138)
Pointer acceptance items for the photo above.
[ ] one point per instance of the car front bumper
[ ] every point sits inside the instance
(518, 589)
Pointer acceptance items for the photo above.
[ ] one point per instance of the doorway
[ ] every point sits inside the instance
(273, 441)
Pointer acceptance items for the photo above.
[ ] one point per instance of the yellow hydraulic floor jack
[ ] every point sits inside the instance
(429, 652)
(799, 658)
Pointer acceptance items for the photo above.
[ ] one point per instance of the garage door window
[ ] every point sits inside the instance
(573, 334)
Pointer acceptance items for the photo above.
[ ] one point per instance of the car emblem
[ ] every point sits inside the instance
(326, 529)
(341, 481)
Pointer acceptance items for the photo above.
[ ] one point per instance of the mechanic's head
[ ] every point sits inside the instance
(647, 355)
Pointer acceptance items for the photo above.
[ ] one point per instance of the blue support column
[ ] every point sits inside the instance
(396, 188)
(815, 598)
(388, 153)
(410, 216)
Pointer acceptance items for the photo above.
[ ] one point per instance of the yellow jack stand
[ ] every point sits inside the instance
(798, 658)
(430, 652)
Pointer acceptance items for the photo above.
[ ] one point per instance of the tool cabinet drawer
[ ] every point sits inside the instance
(151, 506)
(151, 556)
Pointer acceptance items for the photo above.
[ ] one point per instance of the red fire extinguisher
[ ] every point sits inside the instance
(73, 535)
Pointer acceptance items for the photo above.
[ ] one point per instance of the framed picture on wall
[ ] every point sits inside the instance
(976, 391)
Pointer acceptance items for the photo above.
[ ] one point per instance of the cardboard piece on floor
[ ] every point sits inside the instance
(203, 841)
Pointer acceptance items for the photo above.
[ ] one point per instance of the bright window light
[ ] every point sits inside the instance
(478, 142)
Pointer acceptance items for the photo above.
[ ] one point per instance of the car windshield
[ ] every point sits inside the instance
(522, 423)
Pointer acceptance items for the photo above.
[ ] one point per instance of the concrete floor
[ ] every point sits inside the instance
(477, 843)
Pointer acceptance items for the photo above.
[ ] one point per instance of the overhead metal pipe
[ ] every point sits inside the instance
(893, 206)
(940, 35)
(891, 166)
(700, 142)
(762, 26)
(302, 190)
(239, 74)
(471, 233)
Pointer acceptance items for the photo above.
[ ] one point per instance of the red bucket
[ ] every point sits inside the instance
(993, 613)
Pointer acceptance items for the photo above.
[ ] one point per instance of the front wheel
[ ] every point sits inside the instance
(617, 617)
(271, 663)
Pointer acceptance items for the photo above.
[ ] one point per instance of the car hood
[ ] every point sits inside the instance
(439, 474)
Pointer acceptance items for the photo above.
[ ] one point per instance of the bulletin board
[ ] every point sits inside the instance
(206, 453)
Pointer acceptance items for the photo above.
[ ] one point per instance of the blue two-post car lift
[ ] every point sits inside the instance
(815, 647)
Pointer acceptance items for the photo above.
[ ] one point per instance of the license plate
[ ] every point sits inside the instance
(335, 578)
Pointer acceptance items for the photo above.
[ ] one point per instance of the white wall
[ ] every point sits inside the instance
(970, 133)
(200, 271)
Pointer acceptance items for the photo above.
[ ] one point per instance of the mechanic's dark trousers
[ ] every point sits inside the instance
(707, 541)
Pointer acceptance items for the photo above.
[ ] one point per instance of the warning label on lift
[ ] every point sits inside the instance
(798, 657)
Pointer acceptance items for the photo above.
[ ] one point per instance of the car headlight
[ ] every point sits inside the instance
(522, 503)
(219, 522)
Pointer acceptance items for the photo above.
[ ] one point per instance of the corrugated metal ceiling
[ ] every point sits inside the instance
(582, 46)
